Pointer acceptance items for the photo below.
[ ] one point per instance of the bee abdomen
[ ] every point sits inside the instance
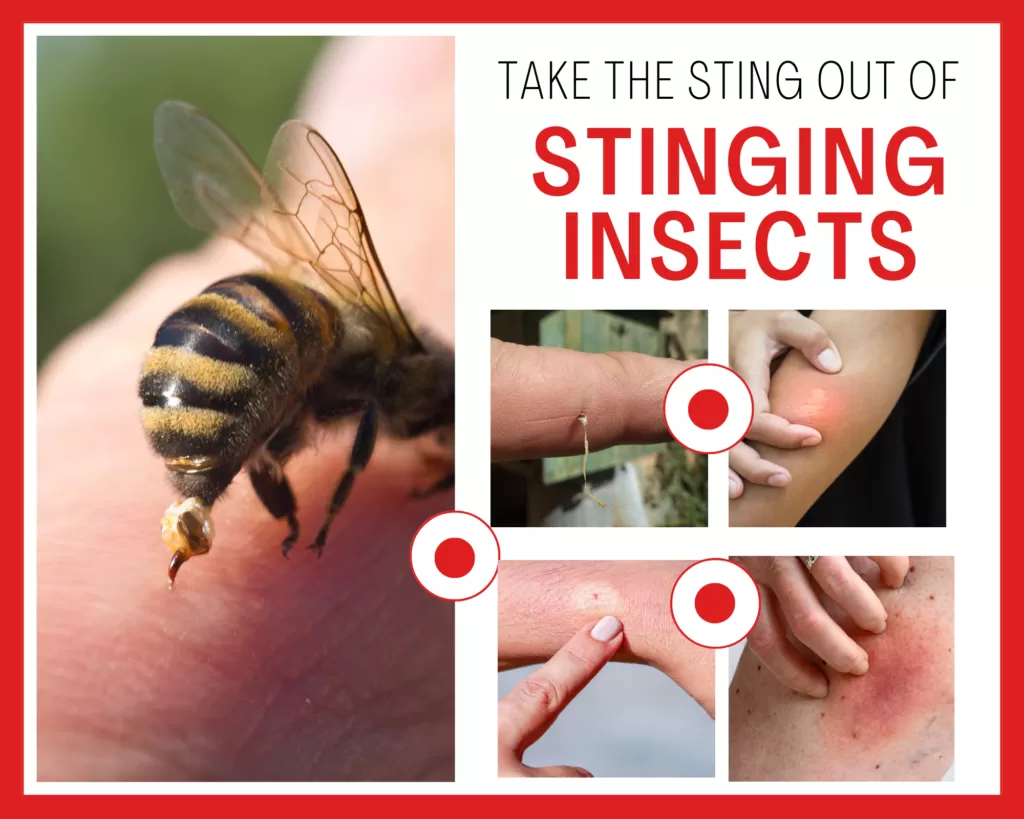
(224, 368)
(213, 376)
(181, 432)
(193, 403)
(221, 329)
(278, 305)
(176, 377)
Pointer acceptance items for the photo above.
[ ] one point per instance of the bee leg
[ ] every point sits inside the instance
(447, 482)
(274, 491)
(362, 449)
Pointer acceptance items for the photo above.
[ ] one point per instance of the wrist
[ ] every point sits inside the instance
(652, 636)
(542, 604)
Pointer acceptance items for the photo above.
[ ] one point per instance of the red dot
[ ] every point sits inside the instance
(714, 603)
(454, 557)
(708, 409)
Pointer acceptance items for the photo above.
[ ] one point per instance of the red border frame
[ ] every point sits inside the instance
(1008, 14)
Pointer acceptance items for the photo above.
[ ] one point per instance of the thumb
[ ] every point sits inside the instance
(807, 336)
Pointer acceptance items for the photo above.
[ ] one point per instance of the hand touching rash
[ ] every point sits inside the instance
(847, 408)
(804, 395)
(893, 723)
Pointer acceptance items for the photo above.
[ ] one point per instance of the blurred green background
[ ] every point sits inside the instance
(104, 214)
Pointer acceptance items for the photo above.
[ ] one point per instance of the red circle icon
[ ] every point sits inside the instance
(454, 557)
(715, 603)
(708, 409)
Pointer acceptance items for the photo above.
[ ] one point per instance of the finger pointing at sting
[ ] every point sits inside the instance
(527, 711)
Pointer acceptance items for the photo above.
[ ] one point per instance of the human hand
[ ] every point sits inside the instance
(756, 338)
(254, 668)
(542, 603)
(790, 598)
(530, 708)
(538, 393)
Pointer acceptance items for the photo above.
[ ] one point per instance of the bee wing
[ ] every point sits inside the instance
(217, 188)
(315, 195)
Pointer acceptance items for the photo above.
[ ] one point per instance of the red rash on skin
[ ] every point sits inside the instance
(818, 403)
(894, 723)
(903, 690)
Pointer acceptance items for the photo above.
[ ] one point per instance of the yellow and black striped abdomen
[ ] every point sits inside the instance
(225, 366)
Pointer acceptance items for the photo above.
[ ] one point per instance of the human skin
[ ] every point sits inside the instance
(538, 394)
(541, 604)
(893, 723)
(529, 709)
(879, 349)
(756, 339)
(254, 667)
(789, 601)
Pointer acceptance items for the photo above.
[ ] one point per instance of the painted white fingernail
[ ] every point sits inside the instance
(606, 629)
(734, 488)
(829, 360)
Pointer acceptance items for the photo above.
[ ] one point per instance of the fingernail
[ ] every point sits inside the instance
(819, 690)
(879, 627)
(606, 628)
(829, 360)
(779, 479)
(734, 488)
(811, 437)
(861, 667)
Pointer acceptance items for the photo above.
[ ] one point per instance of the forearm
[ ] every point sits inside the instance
(893, 723)
(538, 394)
(541, 604)
(879, 349)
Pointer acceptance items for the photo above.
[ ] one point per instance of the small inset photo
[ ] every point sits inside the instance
(595, 677)
(847, 675)
(849, 423)
(578, 432)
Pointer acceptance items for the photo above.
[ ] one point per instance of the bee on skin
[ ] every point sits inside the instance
(239, 376)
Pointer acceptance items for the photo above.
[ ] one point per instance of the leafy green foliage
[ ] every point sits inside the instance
(680, 482)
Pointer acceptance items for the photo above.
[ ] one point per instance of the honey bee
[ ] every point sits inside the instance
(242, 374)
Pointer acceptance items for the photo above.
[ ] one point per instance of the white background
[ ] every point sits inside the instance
(510, 254)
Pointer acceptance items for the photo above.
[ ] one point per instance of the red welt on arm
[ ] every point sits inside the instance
(879, 348)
